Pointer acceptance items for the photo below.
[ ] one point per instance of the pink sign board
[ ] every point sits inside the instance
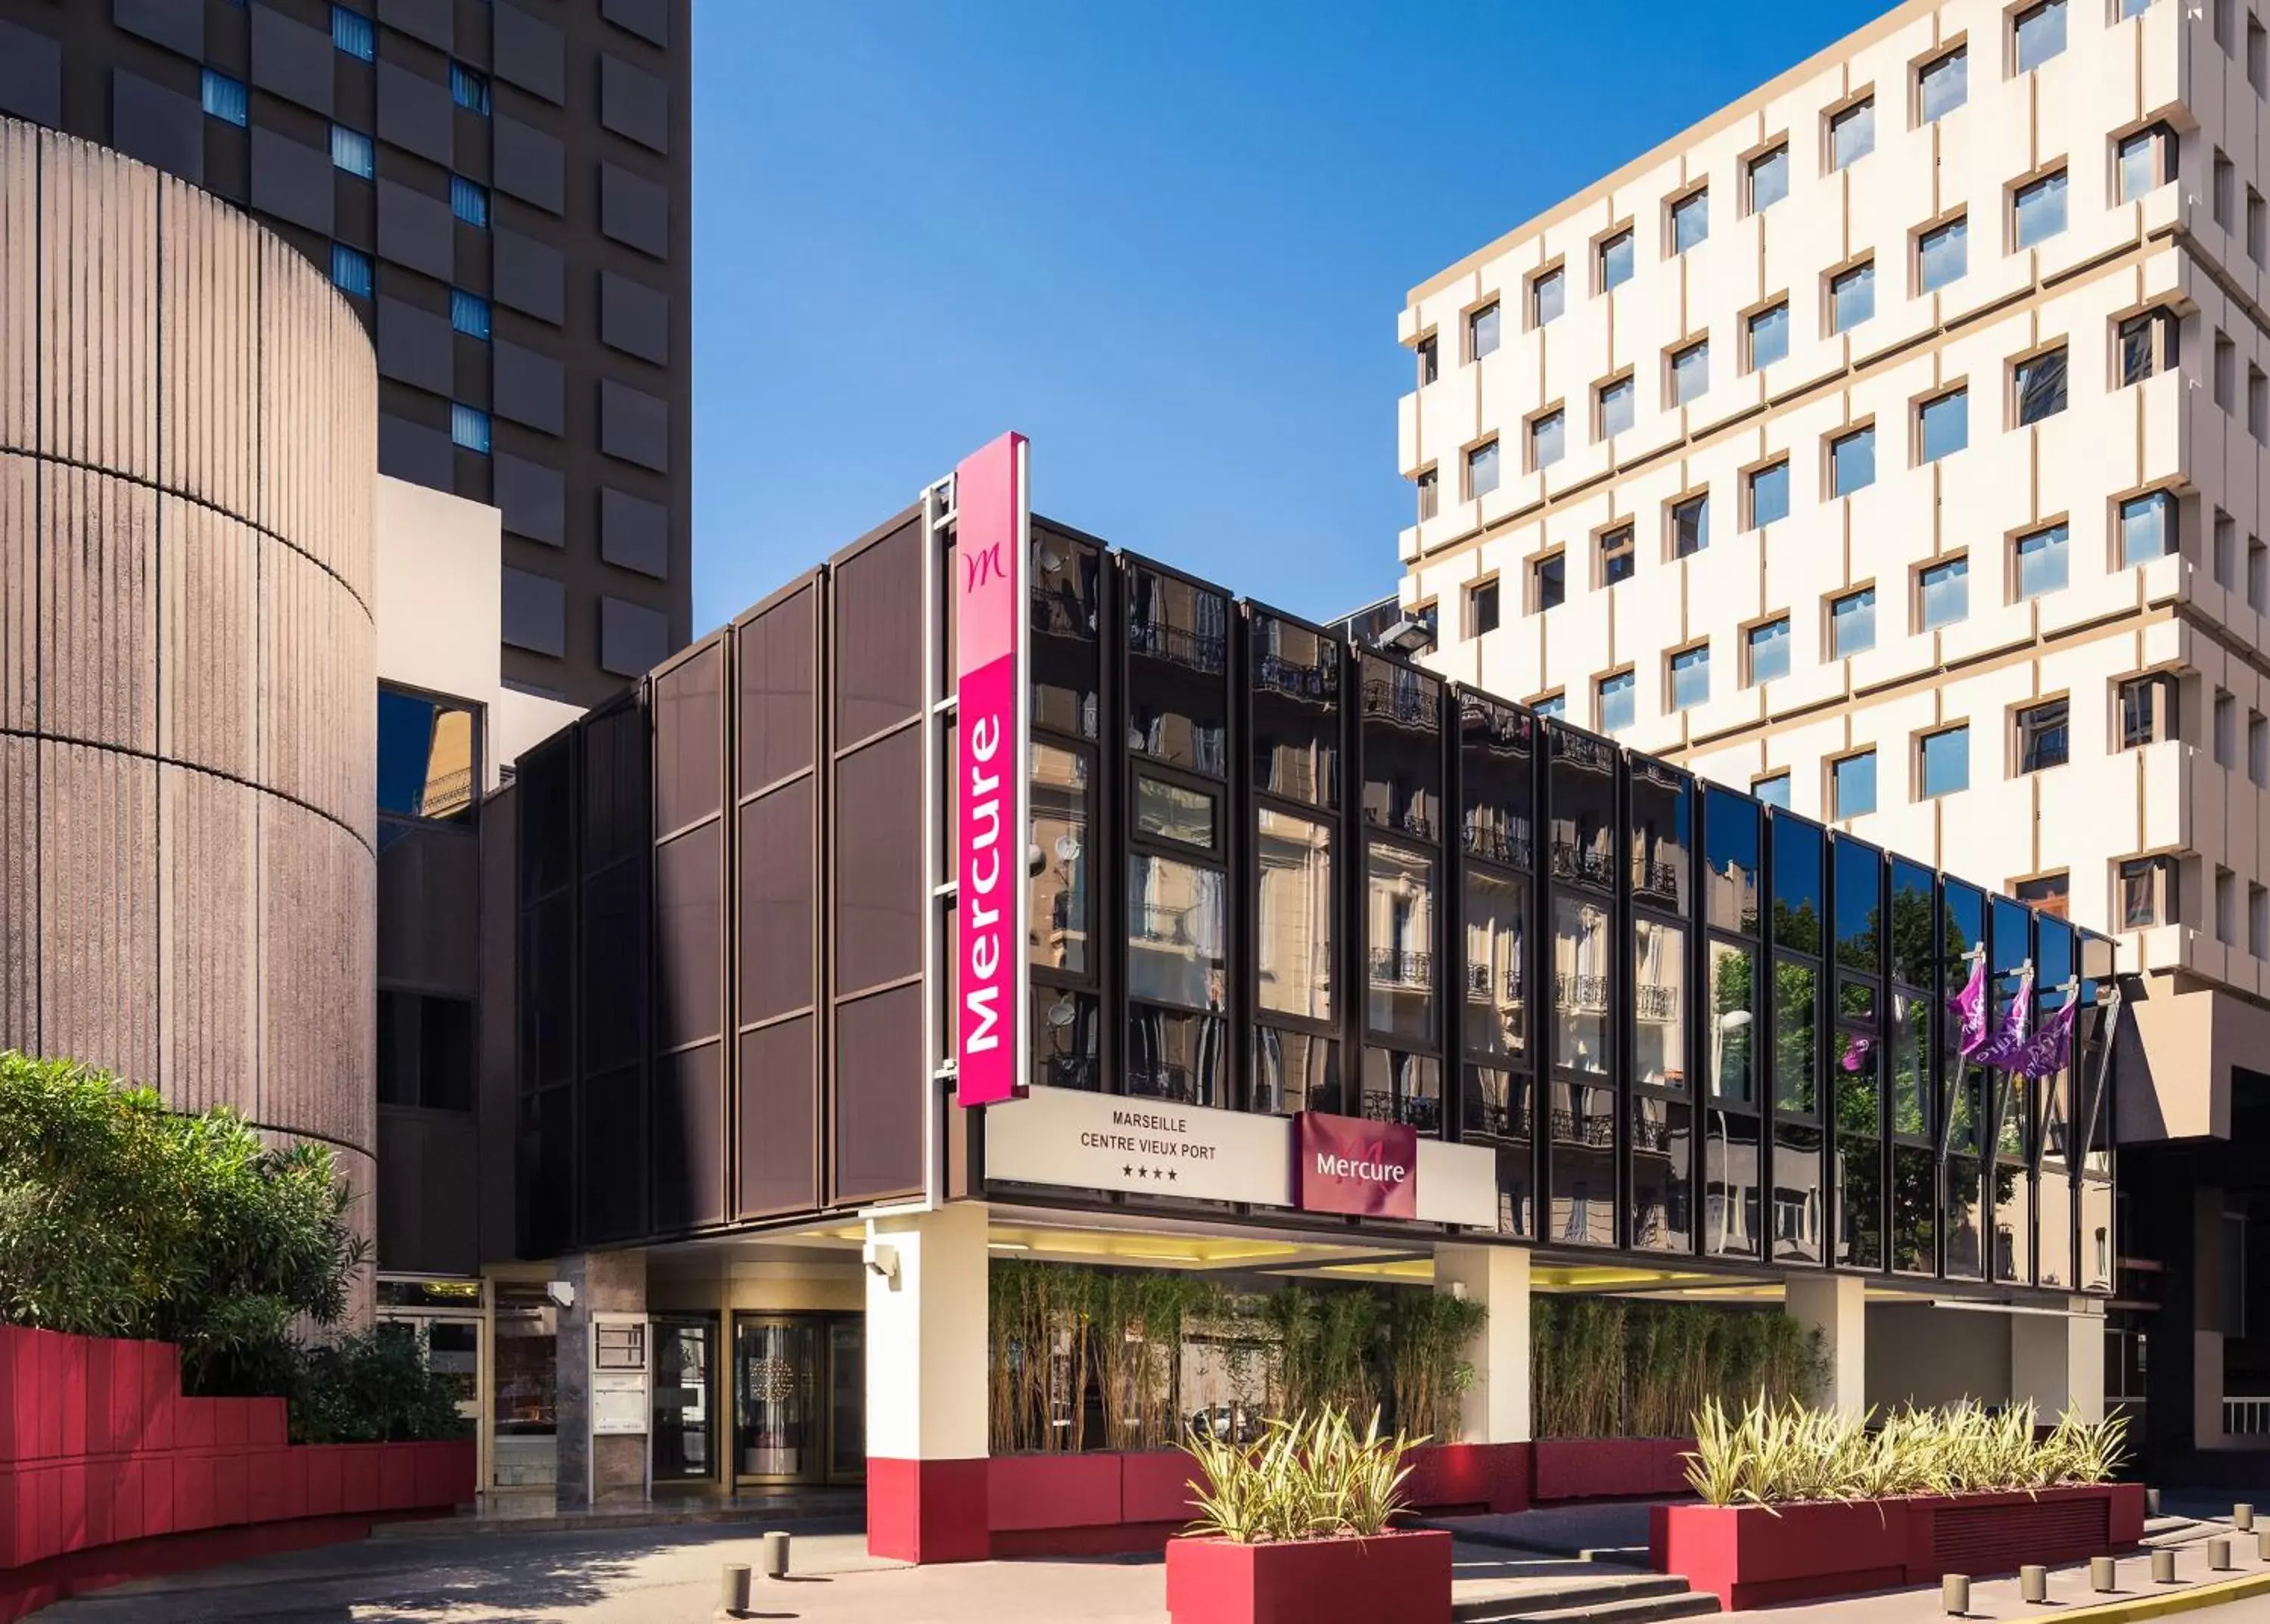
(1351, 1164)
(989, 568)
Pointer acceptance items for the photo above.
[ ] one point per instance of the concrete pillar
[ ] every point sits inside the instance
(926, 1386)
(1496, 1409)
(2057, 1361)
(1836, 1306)
(604, 1470)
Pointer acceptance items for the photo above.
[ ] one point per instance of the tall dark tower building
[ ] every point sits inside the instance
(503, 190)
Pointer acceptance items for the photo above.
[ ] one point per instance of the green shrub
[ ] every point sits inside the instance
(372, 1387)
(1311, 1477)
(119, 1218)
(1776, 1452)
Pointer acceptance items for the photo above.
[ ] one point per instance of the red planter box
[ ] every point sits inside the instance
(1402, 1578)
(1748, 1556)
(1608, 1468)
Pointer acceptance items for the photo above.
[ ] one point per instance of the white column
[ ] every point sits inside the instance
(2057, 1361)
(1496, 1409)
(1836, 1306)
(926, 1387)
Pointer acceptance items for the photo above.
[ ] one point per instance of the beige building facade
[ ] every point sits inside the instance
(1892, 443)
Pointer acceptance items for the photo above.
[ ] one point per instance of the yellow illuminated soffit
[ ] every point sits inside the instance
(1584, 1277)
(1135, 1247)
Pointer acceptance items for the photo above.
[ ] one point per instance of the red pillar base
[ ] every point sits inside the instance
(927, 1510)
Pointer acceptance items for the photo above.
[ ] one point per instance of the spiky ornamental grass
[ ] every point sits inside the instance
(1775, 1453)
(1311, 1477)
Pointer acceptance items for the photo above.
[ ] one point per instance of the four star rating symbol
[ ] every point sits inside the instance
(1164, 1175)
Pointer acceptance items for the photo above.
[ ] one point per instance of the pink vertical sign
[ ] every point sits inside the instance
(989, 525)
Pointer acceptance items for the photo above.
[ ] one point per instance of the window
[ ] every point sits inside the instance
(2133, 8)
(224, 98)
(1772, 789)
(1619, 701)
(1690, 372)
(2226, 907)
(2257, 403)
(1943, 763)
(1615, 261)
(2143, 162)
(1548, 438)
(429, 757)
(351, 151)
(1618, 401)
(468, 202)
(1548, 292)
(1942, 594)
(2224, 189)
(1430, 361)
(468, 89)
(1942, 85)
(2258, 749)
(2220, 25)
(2149, 344)
(2147, 528)
(1852, 133)
(2257, 226)
(1617, 555)
(1942, 255)
(1852, 785)
(2045, 894)
(1768, 492)
(1481, 609)
(1852, 624)
(2257, 575)
(2037, 211)
(1852, 462)
(2148, 713)
(1943, 426)
(2038, 383)
(2044, 738)
(2226, 373)
(2041, 562)
(2258, 921)
(2040, 34)
(1553, 705)
(1690, 525)
(1852, 297)
(469, 427)
(352, 32)
(1690, 220)
(2258, 57)
(1767, 651)
(1768, 177)
(1769, 335)
(2224, 559)
(426, 1051)
(1429, 494)
(469, 312)
(2146, 892)
(350, 271)
(1482, 469)
(1481, 332)
(1548, 583)
(1690, 677)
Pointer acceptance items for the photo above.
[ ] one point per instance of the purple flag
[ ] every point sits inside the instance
(2003, 1049)
(2051, 1049)
(1968, 1008)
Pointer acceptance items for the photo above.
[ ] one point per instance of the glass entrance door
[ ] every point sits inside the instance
(799, 1397)
(685, 1415)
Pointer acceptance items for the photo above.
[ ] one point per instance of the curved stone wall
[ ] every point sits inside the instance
(188, 448)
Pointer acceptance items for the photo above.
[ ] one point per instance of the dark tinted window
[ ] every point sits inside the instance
(1859, 873)
(1663, 818)
(1494, 743)
(1402, 749)
(1914, 952)
(1064, 611)
(428, 756)
(1178, 648)
(1729, 834)
(1296, 711)
(426, 1051)
(1583, 787)
(1798, 904)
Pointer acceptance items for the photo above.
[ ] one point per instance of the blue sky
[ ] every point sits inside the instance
(1168, 240)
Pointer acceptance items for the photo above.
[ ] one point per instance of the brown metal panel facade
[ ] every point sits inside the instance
(186, 657)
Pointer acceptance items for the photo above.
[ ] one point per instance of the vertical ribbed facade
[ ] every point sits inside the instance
(188, 446)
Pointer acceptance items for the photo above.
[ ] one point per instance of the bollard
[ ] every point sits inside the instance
(2242, 1518)
(2262, 1543)
(2163, 1566)
(775, 1555)
(2151, 1503)
(1955, 1593)
(2103, 1573)
(2033, 1583)
(733, 1590)
(2218, 1556)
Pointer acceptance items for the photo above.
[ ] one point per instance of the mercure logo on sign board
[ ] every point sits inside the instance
(1350, 1164)
(989, 684)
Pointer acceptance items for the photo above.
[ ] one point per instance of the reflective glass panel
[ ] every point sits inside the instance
(1174, 931)
(1405, 1088)
(1296, 685)
(1296, 1071)
(1729, 1184)
(1172, 812)
(1662, 1190)
(1799, 1206)
(1497, 1103)
(1399, 943)
(1663, 803)
(1730, 833)
(1659, 1004)
(1173, 1054)
(1796, 1045)
(1402, 756)
(1496, 1007)
(1495, 742)
(1582, 1162)
(1582, 971)
(1733, 1018)
(1178, 647)
(1060, 891)
(1294, 930)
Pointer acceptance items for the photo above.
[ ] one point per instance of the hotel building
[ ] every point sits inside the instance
(1890, 445)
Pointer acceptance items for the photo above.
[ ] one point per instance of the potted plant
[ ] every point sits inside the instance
(1296, 1529)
